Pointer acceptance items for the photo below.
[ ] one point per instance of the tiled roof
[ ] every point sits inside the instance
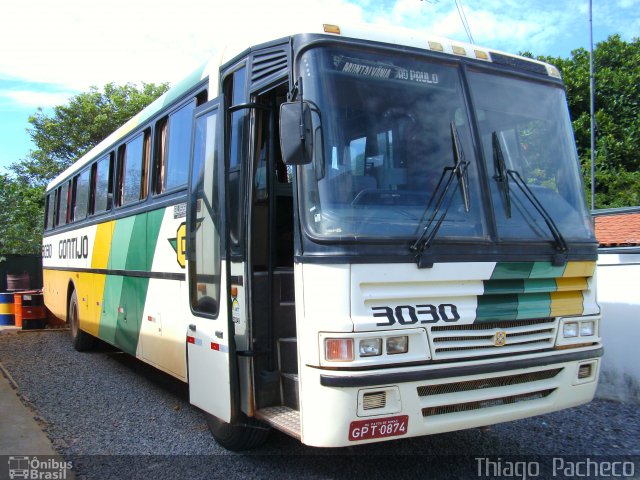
(618, 230)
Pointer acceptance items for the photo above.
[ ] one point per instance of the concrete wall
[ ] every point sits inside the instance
(619, 298)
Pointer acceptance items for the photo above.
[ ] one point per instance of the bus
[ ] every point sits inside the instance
(350, 235)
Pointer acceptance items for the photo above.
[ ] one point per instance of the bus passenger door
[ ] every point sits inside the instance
(208, 332)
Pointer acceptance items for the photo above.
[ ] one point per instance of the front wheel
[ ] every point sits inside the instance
(81, 340)
(247, 434)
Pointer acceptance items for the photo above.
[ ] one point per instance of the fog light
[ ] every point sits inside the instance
(587, 329)
(338, 349)
(570, 330)
(397, 345)
(370, 347)
(585, 370)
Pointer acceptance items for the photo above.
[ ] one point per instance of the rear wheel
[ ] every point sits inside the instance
(81, 340)
(247, 434)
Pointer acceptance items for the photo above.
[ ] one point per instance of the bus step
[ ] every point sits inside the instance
(281, 418)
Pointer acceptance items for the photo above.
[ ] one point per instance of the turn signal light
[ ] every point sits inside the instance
(338, 349)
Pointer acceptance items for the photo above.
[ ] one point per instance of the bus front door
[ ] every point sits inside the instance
(208, 333)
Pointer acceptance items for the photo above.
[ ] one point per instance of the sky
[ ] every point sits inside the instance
(52, 50)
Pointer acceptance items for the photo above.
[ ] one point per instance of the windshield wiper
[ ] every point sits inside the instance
(502, 177)
(459, 172)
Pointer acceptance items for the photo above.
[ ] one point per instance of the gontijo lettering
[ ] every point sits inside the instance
(73, 248)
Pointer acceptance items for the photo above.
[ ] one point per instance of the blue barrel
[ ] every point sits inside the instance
(6, 309)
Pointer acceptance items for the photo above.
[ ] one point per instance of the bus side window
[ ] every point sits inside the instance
(102, 184)
(80, 196)
(173, 140)
(48, 219)
(204, 228)
(63, 210)
(132, 160)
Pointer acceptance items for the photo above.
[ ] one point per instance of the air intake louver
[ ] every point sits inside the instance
(269, 64)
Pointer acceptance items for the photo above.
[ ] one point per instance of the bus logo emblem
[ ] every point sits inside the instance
(179, 244)
(500, 339)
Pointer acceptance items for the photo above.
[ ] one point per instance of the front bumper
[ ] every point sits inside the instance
(443, 398)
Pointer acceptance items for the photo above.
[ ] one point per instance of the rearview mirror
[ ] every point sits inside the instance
(296, 133)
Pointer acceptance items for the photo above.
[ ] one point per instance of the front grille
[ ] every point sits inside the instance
(480, 404)
(495, 382)
(481, 339)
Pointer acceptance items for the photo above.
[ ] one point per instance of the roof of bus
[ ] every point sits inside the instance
(210, 70)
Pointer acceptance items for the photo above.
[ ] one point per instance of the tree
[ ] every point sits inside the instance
(76, 127)
(617, 101)
(21, 216)
(61, 138)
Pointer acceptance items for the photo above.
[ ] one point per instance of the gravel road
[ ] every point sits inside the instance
(115, 417)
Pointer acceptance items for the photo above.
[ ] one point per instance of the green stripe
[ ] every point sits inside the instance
(511, 270)
(496, 307)
(132, 248)
(546, 270)
(534, 305)
(540, 285)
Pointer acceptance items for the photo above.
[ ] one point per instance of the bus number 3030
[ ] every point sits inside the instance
(409, 314)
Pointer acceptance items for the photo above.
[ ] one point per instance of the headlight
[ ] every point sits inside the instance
(587, 329)
(370, 347)
(570, 330)
(397, 345)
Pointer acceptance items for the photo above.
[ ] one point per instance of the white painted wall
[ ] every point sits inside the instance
(619, 297)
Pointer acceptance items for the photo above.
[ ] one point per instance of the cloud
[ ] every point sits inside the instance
(34, 98)
(79, 43)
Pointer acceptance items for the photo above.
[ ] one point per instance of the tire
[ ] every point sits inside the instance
(247, 434)
(82, 341)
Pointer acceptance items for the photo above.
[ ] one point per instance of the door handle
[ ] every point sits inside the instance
(192, 327)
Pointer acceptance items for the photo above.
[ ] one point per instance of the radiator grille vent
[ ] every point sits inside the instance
(495, 382)
(493, 402)
(492, 338)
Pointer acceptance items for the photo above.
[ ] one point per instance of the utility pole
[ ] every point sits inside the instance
(592, 108)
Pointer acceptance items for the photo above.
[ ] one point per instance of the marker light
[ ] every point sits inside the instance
(570, 330)
(587, 329)
(370, 347)
(328, 28)
(397, 345)
(437, 46)
(338, 349)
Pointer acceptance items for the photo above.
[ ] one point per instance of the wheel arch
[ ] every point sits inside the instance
(71, 287)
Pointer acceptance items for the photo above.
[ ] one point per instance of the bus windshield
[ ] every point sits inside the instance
(528, 123)
(384, 137)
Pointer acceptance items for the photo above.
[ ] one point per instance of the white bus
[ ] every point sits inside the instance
(350, 235)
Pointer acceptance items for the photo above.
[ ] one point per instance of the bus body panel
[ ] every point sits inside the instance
(129, 278)
(487, 298)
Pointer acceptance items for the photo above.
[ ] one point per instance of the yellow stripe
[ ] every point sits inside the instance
(6, 308)
(571, 284)
(580, 269)
(566, 303)
(102, 245)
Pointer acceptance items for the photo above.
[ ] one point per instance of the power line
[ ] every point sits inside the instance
(463, 18)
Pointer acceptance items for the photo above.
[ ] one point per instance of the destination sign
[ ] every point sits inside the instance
(388, 71)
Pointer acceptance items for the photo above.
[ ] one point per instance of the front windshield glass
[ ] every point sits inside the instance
(383, 137)
(529, 124)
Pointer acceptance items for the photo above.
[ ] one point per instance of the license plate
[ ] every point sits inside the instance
(378, 428)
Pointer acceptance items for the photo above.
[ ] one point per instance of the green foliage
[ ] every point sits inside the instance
(617, 102)
(21, 217)
(73, 129)
(61, 138)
